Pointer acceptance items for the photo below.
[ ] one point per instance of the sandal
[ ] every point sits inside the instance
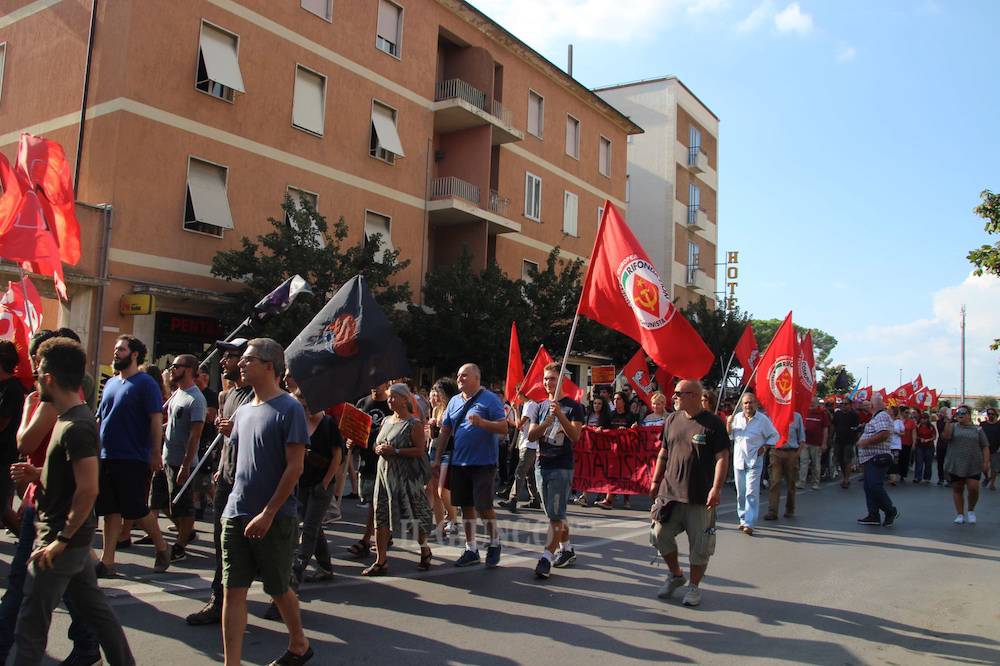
(376, 569)
(425, 558)
(292, 659)
(374, 549)
(360, 549)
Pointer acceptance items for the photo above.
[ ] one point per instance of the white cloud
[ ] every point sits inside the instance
(846, 53)
(793, 19)
(707, 6)
(932, 345)
(757, 17)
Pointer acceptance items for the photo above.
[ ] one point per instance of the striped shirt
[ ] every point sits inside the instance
(881, 422)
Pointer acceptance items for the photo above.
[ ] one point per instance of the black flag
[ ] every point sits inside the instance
(842, 383)
(346, 349)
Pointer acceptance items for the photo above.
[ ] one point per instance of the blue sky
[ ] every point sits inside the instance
(855, 139)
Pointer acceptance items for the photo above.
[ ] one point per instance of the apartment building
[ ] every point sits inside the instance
(673, 181)
(420, 120)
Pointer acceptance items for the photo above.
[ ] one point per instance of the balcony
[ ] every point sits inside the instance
(697, 219)
(458, 105)
(697, 161)
(455, 201)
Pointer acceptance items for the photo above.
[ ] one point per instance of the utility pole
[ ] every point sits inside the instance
(867, 383)
(900, 376)
(963, 356)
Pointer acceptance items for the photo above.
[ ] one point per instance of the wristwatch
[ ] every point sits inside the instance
(62, 538)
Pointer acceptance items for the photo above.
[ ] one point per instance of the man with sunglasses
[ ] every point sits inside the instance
(991, 427)
(186, 411)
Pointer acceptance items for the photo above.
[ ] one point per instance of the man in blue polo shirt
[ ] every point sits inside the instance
(476, 418)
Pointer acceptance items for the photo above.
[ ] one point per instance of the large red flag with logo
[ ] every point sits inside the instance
(44, 164)
(747, 353)
(22, 299)
(534, 388)
(515, 366)
(805, 376)
(636, 372)
(923, 399)
(863, 394)
(623, 291)
(775, 380)
(917, 383)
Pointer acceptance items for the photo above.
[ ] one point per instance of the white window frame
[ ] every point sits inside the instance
(529, 178)
(541, 114)
(300, 190)
(329, 11)
(377, 151)
(600, 214)
(524, 272)
(576, 154)
(693, 261)
(387, 245)
(398, 55)
(187, 180)
(602, 168)
(694, 202)
(694, 138)
(295, 80)
(225, 93)
(571, 213)
(3, 65)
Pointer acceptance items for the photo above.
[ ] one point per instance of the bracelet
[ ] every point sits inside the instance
(62, 538)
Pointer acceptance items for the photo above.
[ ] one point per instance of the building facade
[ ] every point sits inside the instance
(420, 120)
(673, 182)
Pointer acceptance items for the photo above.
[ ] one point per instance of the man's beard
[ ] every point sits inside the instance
(232, 375)
(44, 395)
(120, 364)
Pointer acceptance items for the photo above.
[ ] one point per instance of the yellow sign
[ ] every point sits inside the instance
(137, 304)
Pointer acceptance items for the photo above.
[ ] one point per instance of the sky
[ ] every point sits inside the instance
(855, 138)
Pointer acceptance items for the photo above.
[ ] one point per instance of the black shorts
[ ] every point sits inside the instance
(955, 478)
(472, 485)
(183, 507)
(124, 487)
(159, 493)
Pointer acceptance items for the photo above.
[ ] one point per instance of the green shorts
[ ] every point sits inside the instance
(269, 558)
(697, 521)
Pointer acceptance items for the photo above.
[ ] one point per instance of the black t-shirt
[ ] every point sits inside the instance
(208, 431)
(11, 404)
(235, 398)
(74, 437)
(322, 443)
(621, 420)
(691, 445)
(845, 424)
(992, 431)
(555, 449)
(378, 410)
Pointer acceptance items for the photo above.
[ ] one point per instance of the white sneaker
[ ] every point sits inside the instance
(971, 518)
(959, 519)
(693, 596)
(671, 586)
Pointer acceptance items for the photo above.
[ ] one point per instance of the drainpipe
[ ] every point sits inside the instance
(103, 274)
(86, 90)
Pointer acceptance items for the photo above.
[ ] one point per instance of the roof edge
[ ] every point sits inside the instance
(657, 79)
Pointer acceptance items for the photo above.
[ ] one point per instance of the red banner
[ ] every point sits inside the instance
(616, 461)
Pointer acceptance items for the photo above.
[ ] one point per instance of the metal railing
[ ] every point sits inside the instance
(450, 186)
(499, 204)
(459, 89)
(692, 274)
(692, 214)
(693, 153)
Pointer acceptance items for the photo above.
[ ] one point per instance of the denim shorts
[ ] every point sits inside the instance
(554, 485)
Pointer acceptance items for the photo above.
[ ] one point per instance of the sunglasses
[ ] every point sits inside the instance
(962, 412)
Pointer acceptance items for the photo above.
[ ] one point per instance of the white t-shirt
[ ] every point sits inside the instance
(530, 414)
(896, 436)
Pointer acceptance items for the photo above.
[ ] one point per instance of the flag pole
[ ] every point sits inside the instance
(747, 387)
(565, 359)
(725, 376)
(246, 323)
(194, 472)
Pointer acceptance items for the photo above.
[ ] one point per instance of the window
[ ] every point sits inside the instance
(390, 28)
(299, 199)
(570, 207)
(604, 157)
(384, 142)
(694, 255)
(528, 270)
(321, 8)
(628, 187)
(694, 203)
(309, 101)
(380, 226)
(694, 145)
(532, 197)
(218, 63)
(600, 214)
(536, 113)
(572, 137)
(206, 210)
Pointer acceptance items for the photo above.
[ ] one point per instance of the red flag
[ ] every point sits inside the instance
(881, 392)
(623, 291)
(532, 385)
(13, 329)
(863, 394)
(747, 353)
(636, 371)
(44, 164)
(934, 398)
(917, 383)
(22, 299)
(775, 380)
(515, 366)
(665, 380)
(805, 376)
(923, 399)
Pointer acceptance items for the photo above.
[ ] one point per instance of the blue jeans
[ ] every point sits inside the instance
(748, 492)
(555, 488)
(924, 463)
(875, 495)
(83, 637)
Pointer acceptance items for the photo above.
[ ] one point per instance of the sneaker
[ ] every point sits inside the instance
(564, 558)
(452, 528)
(211, 613)
(673, 584)
(582, 500)
(891, 518)
(815, 486)
(272, 612)
(493, 557)
(770, 515)
(693, 597)
(162, 561)
(103, 570)
(543, 568)
(971, 517)
(320, 575)
(77, 659)
(537, 503)
(959, 519)
(177, 553)
(604, 504)
(144, 541)
(510, 505)
(869, 520)
(468, 558)
(800, 485)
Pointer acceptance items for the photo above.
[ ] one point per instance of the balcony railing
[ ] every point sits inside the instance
(697, 160)
(450, 186)
(499, 204)
(692, 275)
(459, 89)
(692, 214)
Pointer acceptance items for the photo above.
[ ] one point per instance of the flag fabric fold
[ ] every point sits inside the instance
(282, 297)
(842, 383)
(805, 376)
(747, 353)
(14, 327)
(515, 366)
(623, 291)
(43, 163)
(775, 381)
(636, 372)
(532, 385)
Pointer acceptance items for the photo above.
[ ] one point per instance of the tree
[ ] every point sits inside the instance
(986, 258)
(721, 330)
(824, 387)
(823, 342)
(985, 402)
(303, 244)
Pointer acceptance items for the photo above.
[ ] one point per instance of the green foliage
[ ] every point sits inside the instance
(824, 386)
(823, 342)
(721, 330)
(294, 247)
(985, 402)
(986, 258)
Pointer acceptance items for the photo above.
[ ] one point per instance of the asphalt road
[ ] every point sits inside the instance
(815, 589)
